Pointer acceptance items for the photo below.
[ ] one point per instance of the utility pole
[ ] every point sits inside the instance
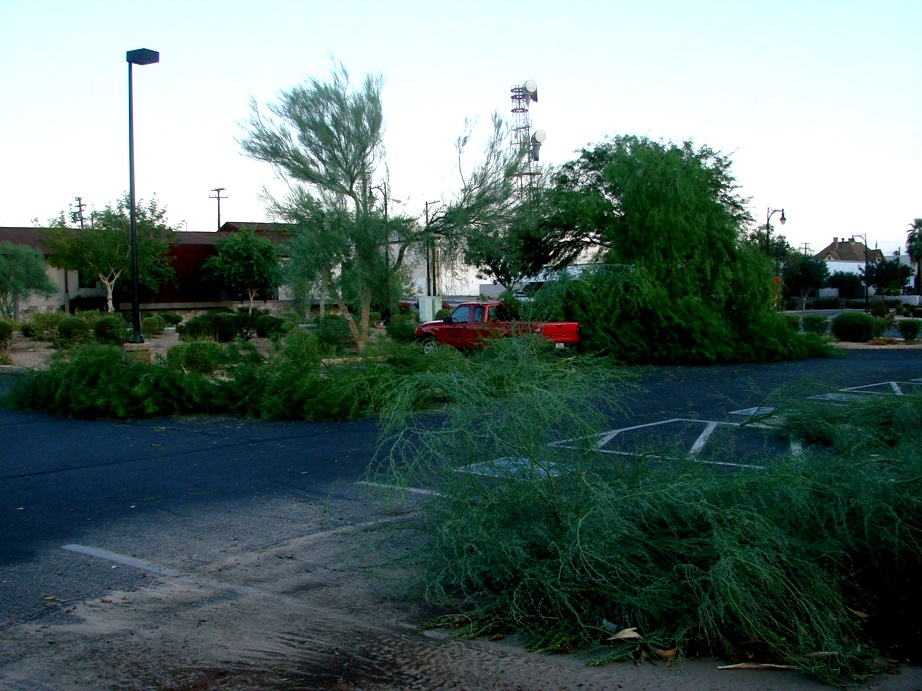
(78, 214)
(806, 248)
(217, 191)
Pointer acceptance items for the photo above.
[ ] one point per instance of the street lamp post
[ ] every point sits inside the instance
(141, 56)
(768, 227)
(867, 289)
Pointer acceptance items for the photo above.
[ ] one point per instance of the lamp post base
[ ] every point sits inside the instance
(137, 351)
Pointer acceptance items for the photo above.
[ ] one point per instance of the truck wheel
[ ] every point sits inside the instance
(429, 344)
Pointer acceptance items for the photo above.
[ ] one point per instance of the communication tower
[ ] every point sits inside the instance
(523, 139)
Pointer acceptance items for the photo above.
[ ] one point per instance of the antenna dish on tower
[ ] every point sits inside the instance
(531, 88)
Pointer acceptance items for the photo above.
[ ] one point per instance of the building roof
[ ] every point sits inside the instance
(850, 250)
(259, 227)
(23, 236)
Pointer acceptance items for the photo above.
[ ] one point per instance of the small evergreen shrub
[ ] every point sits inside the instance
(111, 330)
(401, 327)
(7, 329)
(879, 308)
(90, 316)
(226, 326)
(442, 313)
(198, 328)
(203, 357)
(793, 322)
(909, 328)
(222, 326)
(171, 318)
(857, 327)
(825, 304)
(267, 325)
(815, 323)
(152, 326)
(43, 326)
(72, 331)
(333, 332)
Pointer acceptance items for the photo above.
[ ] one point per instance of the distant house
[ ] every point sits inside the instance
(188, 291)
(848, 256)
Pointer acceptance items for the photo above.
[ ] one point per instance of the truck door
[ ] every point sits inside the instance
(456, 324)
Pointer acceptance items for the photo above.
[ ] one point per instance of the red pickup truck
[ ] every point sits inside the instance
(470, 323)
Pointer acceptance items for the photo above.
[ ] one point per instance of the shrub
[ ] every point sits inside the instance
(203, 357)
(793, 322)
(221, 326)
(43, 326)
(72, 331)
(909, 328)
(88, 303)
(401, 327)
(90, 316)
(854, 304)
(111, 330)
(815, 323)
(442, 313)
(825, 304)
(857, 327)
(266, 325)
(226, 326)
(171, 318)
(99, 381)
(7, 329)
(879, 308)
(333, 332)
(153, 325)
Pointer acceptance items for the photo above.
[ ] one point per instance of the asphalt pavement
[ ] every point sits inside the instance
(160, 486)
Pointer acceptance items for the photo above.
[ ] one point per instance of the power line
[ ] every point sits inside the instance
(217, 191)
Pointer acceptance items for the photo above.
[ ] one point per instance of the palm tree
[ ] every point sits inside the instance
(914, 249)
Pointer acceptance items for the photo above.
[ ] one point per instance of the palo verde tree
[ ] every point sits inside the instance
(325, 139)
(104, 248)
(22, 273)
(245, 263)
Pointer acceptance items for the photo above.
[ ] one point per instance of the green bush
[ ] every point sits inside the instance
(857, 327)
(43, 326)
(879, 308)
(111, 330)
(792, 321)
(909, 328)
(203, 357)
(171, 318)
(72, 331)
(90, 316)
(267, 325)
(153, 325)
(7, 329)
(98, 381)
(815, 323)
(442, 313)
(226, 326)
(223, 326)
(825, 304)
(401, 327)
(333, 332)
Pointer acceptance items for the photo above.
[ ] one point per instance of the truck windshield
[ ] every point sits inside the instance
(462, 314)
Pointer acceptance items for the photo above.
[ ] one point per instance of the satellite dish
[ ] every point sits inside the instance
(539, 136)
(531, 88)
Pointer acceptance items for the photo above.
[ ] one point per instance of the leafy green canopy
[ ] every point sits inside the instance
(22, 273)
(104, 248)
(326, 139)
(685, 286)
(246, 263)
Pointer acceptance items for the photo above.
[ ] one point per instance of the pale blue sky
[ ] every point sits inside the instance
(818, 103)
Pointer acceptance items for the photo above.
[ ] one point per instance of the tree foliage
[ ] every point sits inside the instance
(245, 263)
(104, 249)
(887, 277)
(802, 275)
(22, 273)
(849, 285)
(914, 249)
(325, 138)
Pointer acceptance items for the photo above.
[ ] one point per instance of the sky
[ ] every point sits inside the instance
(818, 104)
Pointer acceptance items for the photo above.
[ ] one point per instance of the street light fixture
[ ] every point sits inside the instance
(141, 56)
(768, 228)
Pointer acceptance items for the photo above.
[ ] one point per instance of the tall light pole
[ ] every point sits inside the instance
(867, 290)
(430, 255)
(141, 56)
(768, 227)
